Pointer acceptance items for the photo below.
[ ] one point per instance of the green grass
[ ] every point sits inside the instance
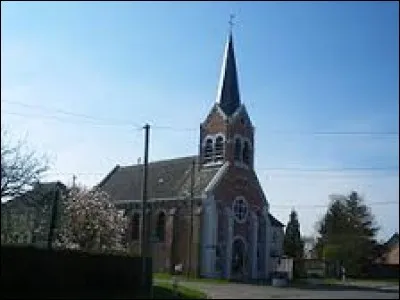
(165, 291)
(167, 276)
(353, 280)
(391, 280)
(162, 276)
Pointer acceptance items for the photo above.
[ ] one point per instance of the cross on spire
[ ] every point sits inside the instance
(231, 17)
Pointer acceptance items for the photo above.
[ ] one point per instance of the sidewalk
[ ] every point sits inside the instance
(373, 284)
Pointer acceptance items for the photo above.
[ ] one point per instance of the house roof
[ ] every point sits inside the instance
(393, 240)
(40, 194)
(275, 222)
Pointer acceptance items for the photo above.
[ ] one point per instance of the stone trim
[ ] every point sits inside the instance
(217, 178)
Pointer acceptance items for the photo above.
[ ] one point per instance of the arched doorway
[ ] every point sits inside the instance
(238, 259)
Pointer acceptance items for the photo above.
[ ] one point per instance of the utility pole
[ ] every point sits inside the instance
(8, 225)
(53, 218)
(144, 239)
(73, 180)
(191, 217)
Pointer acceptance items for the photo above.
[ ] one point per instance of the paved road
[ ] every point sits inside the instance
(241, 291)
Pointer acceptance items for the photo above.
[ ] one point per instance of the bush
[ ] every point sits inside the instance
(70, 273)
(314, 275)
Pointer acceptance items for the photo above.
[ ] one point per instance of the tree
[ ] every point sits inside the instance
(292, 244)
(91, 222)
(347, 233)
(20, 167)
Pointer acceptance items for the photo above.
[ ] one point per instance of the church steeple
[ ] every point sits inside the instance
(228, 97)
(227, 134)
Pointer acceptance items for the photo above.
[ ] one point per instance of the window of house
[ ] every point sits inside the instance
(208, 150)
(246, 152)
(274, 237)
(135, 227)
(274, 253)
(240, 209)
(238, 149)
(160, 227)
(219, 148)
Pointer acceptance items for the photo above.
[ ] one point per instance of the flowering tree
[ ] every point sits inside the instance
(91, 222)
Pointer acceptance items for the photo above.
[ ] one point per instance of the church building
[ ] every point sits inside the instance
(234, 236)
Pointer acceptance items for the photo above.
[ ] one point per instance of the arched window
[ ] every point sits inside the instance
(238, 149)
(240, 209)
(160, 228)
(135, 227)
(219, 148)
(208, 150)
(246, 152)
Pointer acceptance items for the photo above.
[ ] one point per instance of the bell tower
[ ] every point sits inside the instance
(227, 133)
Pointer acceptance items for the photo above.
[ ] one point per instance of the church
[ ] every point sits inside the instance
(208, 212)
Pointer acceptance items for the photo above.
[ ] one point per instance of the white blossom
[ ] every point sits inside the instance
(91, 222)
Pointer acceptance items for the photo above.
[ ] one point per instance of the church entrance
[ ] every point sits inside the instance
(238, 260)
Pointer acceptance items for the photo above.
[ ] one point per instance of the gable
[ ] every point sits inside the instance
(393, 241)
(241, 113)
(215, 120)
(240, 182)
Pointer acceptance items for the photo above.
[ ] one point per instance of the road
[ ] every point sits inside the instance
(241, 291)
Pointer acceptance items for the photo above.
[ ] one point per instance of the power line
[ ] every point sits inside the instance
(70, 113)
(395, 168)
(283, 132)
(277, 169)
(175, 129)
(327, 205)
(335, 132)
(65, 120)
(128, 123)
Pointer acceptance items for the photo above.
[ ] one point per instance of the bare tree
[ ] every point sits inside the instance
(20, 167)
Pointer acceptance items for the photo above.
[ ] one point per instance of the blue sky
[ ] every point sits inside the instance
(303, 68)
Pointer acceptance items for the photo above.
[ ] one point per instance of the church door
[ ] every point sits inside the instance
(238, 259)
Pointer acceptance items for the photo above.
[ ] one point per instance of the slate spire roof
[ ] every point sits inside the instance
(228, 97)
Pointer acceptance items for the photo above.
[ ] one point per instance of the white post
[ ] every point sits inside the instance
(229, 219)
(255, 248)
(267, 242)
(209, 240)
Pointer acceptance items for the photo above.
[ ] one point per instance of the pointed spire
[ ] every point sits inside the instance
(228, 96)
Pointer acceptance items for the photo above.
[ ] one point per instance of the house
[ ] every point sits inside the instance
(309, 247)
(22, 216)
(390, 254)
(234, 235)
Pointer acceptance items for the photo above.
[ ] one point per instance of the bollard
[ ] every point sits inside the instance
(175, 285)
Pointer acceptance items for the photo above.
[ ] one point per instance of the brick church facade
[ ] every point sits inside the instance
(234, 235)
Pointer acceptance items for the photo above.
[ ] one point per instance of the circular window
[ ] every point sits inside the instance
(240, 209)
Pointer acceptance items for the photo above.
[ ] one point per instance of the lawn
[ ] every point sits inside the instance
(166, 276)
(354, 280)
(165, 291)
